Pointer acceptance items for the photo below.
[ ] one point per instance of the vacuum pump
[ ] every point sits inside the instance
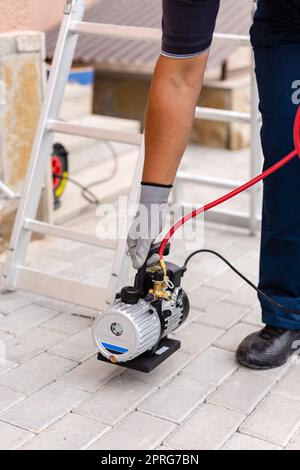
(133, 331)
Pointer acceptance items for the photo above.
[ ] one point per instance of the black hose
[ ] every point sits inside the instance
(242, 276)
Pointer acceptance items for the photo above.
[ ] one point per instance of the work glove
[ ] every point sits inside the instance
(148, 223)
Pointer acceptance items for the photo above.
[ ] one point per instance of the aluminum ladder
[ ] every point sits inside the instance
(16, 275)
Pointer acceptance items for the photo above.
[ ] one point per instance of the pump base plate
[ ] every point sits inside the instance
(147, 362)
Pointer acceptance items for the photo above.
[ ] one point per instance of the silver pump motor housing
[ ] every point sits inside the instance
(125, 331)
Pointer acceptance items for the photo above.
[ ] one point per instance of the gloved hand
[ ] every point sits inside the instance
(148, 223)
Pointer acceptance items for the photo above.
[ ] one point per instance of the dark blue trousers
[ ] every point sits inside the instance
(188, 27)
(275, 36)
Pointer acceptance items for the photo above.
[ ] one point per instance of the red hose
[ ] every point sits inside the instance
(239, 190)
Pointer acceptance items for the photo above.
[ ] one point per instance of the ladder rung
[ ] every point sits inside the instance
(56, 231)
(9, 193)
(242, 39)
(72, 128)
(208, 180)
(222, 115)
(140, 33)
(57, 287)
(117, 31)
(228, 217)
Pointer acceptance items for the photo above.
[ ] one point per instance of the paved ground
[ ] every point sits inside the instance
(55, 395)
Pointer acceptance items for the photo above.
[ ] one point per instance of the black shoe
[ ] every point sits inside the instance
(268, 348)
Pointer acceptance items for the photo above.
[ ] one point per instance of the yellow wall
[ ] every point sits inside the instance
(31, 14)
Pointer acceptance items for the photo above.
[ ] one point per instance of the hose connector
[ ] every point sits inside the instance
(162, 283)
(164, 268)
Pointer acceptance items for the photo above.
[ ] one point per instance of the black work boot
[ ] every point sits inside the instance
(268, 348)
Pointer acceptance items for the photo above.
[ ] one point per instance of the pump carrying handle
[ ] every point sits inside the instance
(140, 279)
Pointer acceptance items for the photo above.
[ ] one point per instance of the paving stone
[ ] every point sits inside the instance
(274, 374)
(115, 400)
(196, 337)
(46, 264)
(163, 373)
(84, 313)
(227, 281)
(77, 252)
(5, 336)
(289, 385)
(36, 373)
(243, 296)
(232, 338)
(213, 366)
(53, 304)
(202, 267)
(275, 420)
(194, 315)
(44, 407)
(208, 429)
(203, 298)
(242, 392)
(213, 243)
(239, 238)
(254, 317)
(294, 443)
(79, 347)
(223, 315)
(9, 398)
(64, 246)
(99, 278)
(6, 366)
(91, 375)
(12, 301)
(102, 273)
(12, 437)
(138, 431)
(164, 449)
(68, 323)
(26, 318)
(200, 274)
(177, 399)
(31, 344)
(242, 442)
(249, 264)
(236, 251)
(86, 267)
(72, 432)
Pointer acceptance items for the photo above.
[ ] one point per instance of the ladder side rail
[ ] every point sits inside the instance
(122, 263)
(41, 149)
(256, 159)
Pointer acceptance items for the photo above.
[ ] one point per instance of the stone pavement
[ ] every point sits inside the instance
(55, 395)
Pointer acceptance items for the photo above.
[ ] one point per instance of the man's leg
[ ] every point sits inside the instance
(277, 67)
(280, 244)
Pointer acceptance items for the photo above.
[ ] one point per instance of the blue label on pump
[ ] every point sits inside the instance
(113, 347)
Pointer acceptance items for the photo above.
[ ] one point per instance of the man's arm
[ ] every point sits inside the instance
(174, 93)
(188, 27)
(175, 89)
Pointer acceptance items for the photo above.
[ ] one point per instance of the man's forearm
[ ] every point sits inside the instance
(174, 93)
